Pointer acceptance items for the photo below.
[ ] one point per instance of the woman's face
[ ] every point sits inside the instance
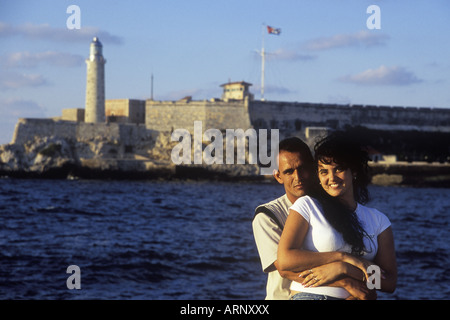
(336, 181)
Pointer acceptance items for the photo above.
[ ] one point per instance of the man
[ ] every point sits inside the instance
(295, 172)
(295, 164)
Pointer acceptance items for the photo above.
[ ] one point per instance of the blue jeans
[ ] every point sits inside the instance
(311, 296)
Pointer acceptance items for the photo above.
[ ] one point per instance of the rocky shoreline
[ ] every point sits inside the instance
(57, 158)
(415, 175)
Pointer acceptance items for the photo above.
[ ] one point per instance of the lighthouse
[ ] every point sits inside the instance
(95, 84)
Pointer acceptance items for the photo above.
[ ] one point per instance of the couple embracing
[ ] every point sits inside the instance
(317, 241)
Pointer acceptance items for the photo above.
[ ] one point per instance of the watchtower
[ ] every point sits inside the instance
(236, 91)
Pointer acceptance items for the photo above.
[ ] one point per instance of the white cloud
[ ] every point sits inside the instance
(290, 55)
(362, 38)
(15, 108)
(14, 80)
(274, 89)
(397, 76)
(48, 33)
(30, 60)
(11, 110)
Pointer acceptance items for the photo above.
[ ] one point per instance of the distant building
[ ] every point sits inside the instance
(75, 114)
(125, 111)
(236, 91)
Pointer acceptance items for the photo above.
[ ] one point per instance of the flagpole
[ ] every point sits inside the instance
(263, 56)
(151, 89)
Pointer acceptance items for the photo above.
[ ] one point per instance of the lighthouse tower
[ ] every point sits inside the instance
(95, 84)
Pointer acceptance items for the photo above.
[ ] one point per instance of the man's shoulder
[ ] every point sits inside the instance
(276, 209)
(279, 204)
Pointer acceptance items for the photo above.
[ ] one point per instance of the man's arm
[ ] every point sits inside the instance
(267, 235)
(357, 288)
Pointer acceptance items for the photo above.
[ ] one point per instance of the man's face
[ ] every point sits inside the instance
(293, 173)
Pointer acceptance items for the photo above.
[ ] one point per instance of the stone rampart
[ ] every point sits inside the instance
(290, 117)
(171, 115)
(32, 129)
(127, 134)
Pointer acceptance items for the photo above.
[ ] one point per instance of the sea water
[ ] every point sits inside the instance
(182, 239)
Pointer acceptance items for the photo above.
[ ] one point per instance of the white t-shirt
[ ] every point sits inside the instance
(322, 237)
(267, 226)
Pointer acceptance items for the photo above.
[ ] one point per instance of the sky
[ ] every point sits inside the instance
(327, 52)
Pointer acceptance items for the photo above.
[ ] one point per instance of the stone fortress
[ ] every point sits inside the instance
(112, 134)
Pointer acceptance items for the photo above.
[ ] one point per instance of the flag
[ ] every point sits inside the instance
(272, 30)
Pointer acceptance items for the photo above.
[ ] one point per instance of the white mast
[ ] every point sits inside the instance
(270, 30)
(151, 90)
(263, 56)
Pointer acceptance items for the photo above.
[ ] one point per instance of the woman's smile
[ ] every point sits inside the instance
(336, 180)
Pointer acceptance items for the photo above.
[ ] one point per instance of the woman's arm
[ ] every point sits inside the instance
(353, 283)
(339, 274)
(292, 259)
(386, 260)
(290, 255)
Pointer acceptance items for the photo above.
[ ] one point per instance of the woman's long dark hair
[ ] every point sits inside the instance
(339, 148)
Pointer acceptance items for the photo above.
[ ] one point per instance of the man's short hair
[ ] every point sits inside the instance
(294, 145)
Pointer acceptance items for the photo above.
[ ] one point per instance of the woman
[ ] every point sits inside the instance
(332, 235)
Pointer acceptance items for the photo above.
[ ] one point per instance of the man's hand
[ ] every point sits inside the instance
(358, 289)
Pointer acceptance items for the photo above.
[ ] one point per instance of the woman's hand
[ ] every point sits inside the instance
(321, 275)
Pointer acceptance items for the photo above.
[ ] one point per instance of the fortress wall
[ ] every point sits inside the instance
(30, 129)
(131, 134)
(125, 110)
(116, 107)
(288, 117)
(171, 115)
(97, 131)
(292, 116)
(123, 133)
(126, 134)
(227, 117)
(402, 118)
(137, 111)
(75, 114)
